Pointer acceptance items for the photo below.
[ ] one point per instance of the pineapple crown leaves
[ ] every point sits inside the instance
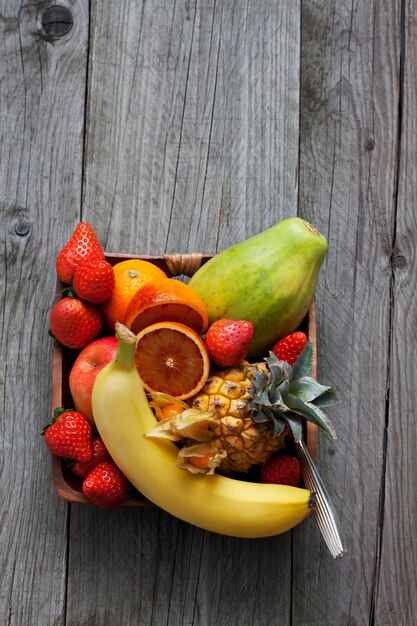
(284, 394)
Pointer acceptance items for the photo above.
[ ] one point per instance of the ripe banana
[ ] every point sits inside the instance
(216, 503)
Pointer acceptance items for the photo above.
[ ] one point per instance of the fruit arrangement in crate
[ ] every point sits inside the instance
(189, 395)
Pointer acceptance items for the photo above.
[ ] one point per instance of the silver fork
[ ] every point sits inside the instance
(324, 511)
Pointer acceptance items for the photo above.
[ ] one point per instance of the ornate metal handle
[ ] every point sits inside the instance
(324, 511)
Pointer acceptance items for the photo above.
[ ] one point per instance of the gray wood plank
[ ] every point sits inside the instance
(192, 143)
(349, 95)
(396, 582)
(191, 112)
(42, 112)
(149, 568)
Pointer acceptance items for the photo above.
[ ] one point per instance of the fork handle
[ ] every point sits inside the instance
(324, 511)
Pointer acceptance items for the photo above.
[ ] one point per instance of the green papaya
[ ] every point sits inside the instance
(268, 279)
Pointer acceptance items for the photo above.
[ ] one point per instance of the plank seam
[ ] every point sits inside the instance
(67, 553)
(211, 119)
(85, 120)
(83, 159)
(298, 213)
(182, 124)
(382, 493)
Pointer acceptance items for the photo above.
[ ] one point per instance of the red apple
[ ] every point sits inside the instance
(87, 365)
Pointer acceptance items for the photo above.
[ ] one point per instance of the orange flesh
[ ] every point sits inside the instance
(201, 461)
(171, 409)
(169, 361)
(172, 312)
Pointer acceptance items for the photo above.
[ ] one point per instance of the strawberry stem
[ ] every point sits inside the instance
(57, 412)
(69, 292)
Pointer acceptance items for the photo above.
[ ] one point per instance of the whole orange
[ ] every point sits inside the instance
(129, 276)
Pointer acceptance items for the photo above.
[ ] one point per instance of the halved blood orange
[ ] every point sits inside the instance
(172, 358)
(167, 300)
(130, 275)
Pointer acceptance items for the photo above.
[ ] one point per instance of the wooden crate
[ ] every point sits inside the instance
(66, 484)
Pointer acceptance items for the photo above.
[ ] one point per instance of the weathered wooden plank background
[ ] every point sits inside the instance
(181, 126)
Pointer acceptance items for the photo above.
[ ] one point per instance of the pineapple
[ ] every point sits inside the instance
(246, 413)
(227, 394)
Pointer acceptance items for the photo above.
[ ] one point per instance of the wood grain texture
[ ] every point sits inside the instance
(150, 568)
(396, 601)
(199, 133)
(348, 151)
(185, 152)
(41, 111)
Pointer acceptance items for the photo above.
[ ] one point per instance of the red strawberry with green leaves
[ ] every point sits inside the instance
(100, 454)
(290, 347)
(106, 486)
(228, 341)
(69, 435)
(81, 246)
(283, 469)
(94, 281)
(74, 323)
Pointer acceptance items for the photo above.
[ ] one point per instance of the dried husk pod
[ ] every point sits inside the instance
(202, 451)
(190, 424)
(159, 400)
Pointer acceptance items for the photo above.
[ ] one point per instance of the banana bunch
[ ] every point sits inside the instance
(216, 503)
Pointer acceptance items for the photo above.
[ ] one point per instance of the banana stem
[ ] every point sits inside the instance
(125, 357)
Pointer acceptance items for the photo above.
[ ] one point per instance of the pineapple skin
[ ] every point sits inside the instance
(226, 394)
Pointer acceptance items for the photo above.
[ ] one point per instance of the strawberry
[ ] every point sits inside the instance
(94, 281)
(106, 486)
(74, 323)
(82, 245)
(69, 435)
(290, 347)
(228, 341)
(100, 454)
(283, 469)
